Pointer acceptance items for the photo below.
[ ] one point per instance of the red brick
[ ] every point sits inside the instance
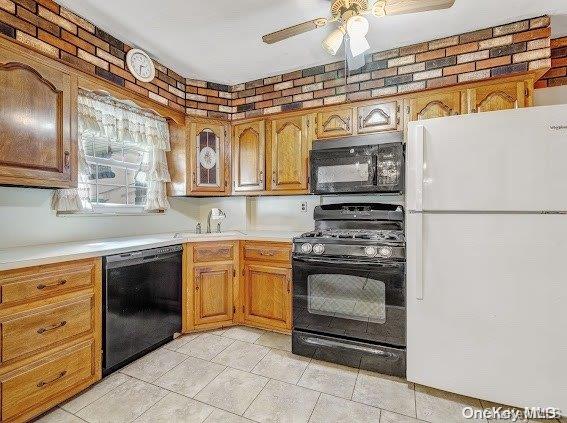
(122, 73)
(291, 91)
(49, 4)
(17, 23)
(73, 39)
(303, 81)
(430, 55)
(414, 49)
(57, 42)
(78, 63)
(557, 63)
(462, 68)
(207, 92)
(31, 5)
(531, 35)
(264, 89)
(542, 83)
(462, 48)
(271, 96)
(492, 63)
(292, 75)
(559, 42)
(384, 73)
(324, 93)
(38, 21)
(87, 36)
(264, 104)
(442, 82)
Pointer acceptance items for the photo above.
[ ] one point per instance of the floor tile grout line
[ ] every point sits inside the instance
(85, 391)
(257, 395)
(314, 407)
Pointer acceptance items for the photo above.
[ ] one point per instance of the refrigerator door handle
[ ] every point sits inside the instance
(418, 255)
(419, 163)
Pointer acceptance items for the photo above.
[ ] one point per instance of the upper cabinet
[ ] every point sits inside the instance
(335, 123)
(503, 96)
(378, 117)
(248, 152)
(209, 153)
(38, 121)
(428, 106)
(288, 156)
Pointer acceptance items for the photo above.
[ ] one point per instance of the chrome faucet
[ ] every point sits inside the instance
(198, 228)
(216, 214)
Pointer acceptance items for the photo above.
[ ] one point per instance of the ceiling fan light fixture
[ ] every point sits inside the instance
(334, 40)
(359, 45)
(357, 26)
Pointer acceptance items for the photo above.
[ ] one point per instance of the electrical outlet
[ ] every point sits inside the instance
(304, 207)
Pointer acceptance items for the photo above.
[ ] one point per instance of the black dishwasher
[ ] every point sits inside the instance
(141, 303)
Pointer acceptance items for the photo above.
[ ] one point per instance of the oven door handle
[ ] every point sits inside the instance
(391, 264)
(367, 350)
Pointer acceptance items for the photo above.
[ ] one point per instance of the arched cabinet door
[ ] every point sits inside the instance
(209, 157)
(335, 123)
(503, 96)
(38, 122)
(249, 156)
(435, 105)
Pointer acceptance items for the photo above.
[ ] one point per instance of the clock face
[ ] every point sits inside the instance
(141, 66)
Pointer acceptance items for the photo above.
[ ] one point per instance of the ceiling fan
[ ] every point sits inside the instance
(353, 25)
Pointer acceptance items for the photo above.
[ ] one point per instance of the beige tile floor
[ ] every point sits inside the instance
(242, 375)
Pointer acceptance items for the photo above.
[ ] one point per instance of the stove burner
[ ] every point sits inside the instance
(372, 235)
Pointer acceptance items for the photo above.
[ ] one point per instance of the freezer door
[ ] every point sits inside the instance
(486, 309)
(511, 160)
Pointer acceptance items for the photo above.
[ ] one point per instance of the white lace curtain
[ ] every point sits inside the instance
(103, 117)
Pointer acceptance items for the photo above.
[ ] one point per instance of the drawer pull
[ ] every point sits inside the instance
(267, 253)
(54, 285)
(43, 383)
(52, 327)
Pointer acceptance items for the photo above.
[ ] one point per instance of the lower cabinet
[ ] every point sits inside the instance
(213, 294)
(51, 332)
(237, 282)
(267, 296)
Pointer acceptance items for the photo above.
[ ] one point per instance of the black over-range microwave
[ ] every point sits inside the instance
(363, 164)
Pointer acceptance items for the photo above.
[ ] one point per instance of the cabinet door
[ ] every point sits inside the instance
(37, 123)
(435, 105)
(378, 117)
(208, 157)
(504, 96)
(249, 156)
(213, 293)
(289, 153)
(335, 123)
(267, 299)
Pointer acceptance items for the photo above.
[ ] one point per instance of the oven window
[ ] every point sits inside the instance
(355, 172)
(346, 296)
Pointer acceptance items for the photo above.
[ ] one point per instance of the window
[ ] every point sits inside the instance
(122, 160)
(117, 172)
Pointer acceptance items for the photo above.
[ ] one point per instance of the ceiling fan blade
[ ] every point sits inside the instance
(400, 7)
(292, 31)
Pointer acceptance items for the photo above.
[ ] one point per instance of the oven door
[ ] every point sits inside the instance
(343, 170)
(349, 299)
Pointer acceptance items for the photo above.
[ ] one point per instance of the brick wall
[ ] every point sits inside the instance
(557, 75)
(508, 49)
(512, 48)
(59, 33)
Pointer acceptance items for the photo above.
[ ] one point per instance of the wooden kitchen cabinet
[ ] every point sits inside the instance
(51, 331)
(380, 117)
(249, 158)
(335, 123)
(442, 104)
(38, 120)
(266, 285)
(502, 96)
(213, 293)
(267, 300)
(210, 287)
(209, 157)
(288, 153)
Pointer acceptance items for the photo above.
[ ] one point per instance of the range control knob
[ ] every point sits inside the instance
(306, 248)
(318, 248)
(370, 251)
(385, 252)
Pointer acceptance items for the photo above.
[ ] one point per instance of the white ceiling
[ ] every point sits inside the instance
(220, 40)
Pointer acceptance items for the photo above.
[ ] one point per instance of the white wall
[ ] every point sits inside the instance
(281, 213)
(550, 96)
(26, 218)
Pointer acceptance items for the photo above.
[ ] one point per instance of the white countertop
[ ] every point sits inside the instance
(35, 255)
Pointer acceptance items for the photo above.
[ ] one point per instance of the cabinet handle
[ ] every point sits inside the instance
(67, 160)
(274, 177)
(267, 253)
(54, 285)
(348, 124)
(260, 176)
(43, 383)
(52, 327)
(360, 122)
(288, 285)
(194, 178)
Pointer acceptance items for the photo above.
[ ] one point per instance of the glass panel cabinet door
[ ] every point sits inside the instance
(208, 157)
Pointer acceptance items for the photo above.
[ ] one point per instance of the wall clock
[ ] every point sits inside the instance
(140, 65)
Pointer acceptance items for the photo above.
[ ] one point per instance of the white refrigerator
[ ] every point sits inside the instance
(487, 255)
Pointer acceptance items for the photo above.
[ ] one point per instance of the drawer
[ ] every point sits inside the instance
(210, 252)
(267, 252)
(26, 389)
(28, 285)
(45, 327)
